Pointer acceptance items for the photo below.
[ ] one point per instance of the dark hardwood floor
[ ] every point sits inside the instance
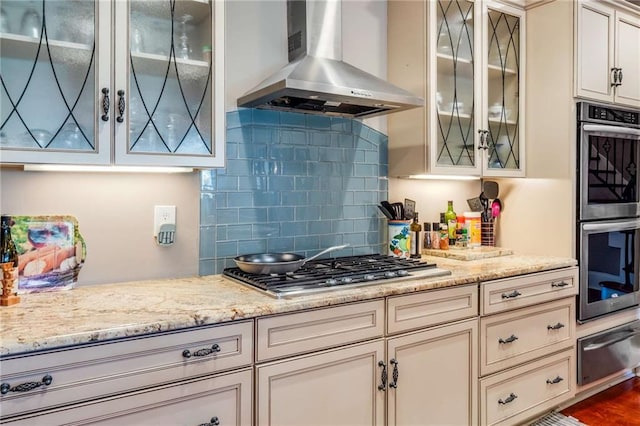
(616, 406)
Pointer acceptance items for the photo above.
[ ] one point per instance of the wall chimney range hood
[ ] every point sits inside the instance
(316, 80)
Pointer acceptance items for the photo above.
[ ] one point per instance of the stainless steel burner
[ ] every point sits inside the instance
(337, 273)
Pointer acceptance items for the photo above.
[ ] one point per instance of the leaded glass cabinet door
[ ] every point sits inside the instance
(53, 75)
(504, 97)
(169, 78)
(454, 77)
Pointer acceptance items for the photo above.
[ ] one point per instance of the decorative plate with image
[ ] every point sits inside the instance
(51, 252)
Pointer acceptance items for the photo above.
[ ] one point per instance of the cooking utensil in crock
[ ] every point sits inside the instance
(277, 263)
(409, 209)
(496, 208)
(398, 211)
(387, 205)
(475, 204)
(386, 212)
(490, 189)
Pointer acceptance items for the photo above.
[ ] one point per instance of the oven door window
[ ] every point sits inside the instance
(612, 170)
(612, 264)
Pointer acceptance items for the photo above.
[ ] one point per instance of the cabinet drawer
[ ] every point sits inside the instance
(512, 293)
(429, 308)
(308, 331)
(226, 396)
(91, 371)
(515, 337)
(515, 395)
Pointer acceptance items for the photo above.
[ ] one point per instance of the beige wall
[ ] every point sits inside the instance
(115, 217)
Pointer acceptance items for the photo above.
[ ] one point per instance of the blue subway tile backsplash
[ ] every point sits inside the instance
(293, 183)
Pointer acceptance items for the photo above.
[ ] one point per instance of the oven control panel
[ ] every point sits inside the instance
(605, 113)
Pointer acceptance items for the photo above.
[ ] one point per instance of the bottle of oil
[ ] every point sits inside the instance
(451, 219)
(415, 229)
(426, 227)
(8, 252)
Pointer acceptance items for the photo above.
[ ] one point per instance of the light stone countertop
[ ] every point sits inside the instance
(101, 312)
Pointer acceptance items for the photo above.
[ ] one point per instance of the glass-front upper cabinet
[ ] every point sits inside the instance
(51, 75)
(457, 67)
(135, 82)
(503, 93)
(476, 88)
(168, 77)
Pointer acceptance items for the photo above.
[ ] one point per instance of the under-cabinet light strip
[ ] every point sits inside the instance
(101, 169)
(444, 177)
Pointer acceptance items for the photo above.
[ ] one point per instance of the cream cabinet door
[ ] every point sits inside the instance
(628, 58)
(433, 376)
(594, 55)
(222, 400)
(608, 54)
(338, 387)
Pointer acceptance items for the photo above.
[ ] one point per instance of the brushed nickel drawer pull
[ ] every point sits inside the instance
(558, 379)
(558, 326)
(202, 352)
(560, 284)
(509, 339)
(508, 399)
(511, 295)
(215, 421)
(25, 387)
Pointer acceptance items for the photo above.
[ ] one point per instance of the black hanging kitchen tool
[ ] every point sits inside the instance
(386, 212)
(389, 207)
(409, 209)
(398, 211)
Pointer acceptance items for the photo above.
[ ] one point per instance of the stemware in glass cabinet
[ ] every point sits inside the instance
(455, 83)
(170, 77)
(48, 73)
(503, 65)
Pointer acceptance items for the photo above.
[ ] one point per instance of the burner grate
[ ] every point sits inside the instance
(332, 273)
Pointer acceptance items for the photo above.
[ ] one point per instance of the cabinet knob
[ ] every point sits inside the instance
(560, 284)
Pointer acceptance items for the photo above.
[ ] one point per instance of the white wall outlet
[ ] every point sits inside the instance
(164, 224)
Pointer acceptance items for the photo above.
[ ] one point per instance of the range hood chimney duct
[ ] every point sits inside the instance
(316, 80)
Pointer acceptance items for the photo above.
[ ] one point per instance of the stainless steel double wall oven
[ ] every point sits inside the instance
(608, 234)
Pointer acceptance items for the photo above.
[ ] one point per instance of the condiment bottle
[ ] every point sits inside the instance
(444, 237)
(416, 229)
(8, 252)
(8, 263)
(435, 236)
(427, 236)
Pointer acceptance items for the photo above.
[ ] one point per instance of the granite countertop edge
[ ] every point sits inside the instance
(98, 313)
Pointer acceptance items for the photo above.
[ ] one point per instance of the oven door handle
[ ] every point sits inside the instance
(627, 335)
(612, 226)
(601, 128)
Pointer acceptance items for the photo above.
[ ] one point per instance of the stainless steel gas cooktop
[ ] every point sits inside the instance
(337, 274)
